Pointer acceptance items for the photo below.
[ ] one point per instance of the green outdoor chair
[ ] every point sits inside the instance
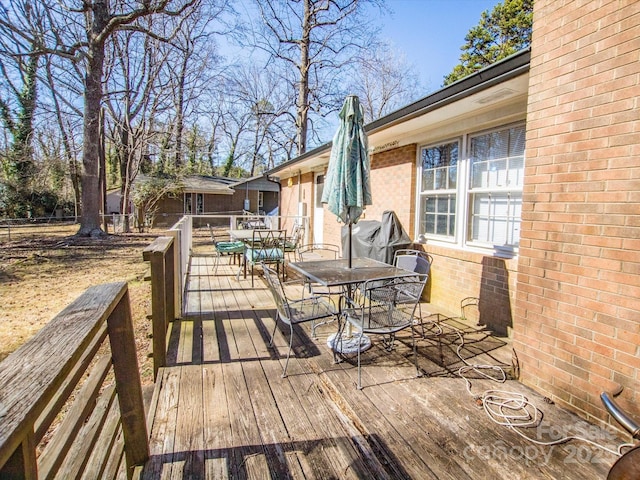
(225, 248)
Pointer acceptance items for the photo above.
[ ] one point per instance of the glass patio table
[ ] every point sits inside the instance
(336, 273)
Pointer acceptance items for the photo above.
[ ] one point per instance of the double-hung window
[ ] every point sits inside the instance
(439, 190)
(470, 189)
(497, 171)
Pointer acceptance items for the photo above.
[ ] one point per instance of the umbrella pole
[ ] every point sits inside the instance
(350, 254)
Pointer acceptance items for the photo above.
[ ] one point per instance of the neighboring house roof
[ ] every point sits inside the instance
(503, 81)
(258, 182)
(202, 184)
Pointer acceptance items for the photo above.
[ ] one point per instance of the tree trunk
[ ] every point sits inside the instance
(91, 194)
(303, 88)
(125, 162)
(180, 112)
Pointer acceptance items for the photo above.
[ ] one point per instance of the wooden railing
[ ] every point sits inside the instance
(161, 255)
(68, 375)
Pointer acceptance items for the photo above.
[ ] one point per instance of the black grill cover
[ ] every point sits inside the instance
(374, 239)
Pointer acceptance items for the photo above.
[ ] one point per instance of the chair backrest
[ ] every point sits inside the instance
(413, 260)
(392, 301)
(277, 291)
(318, 251)
(297, 233)
(268, 246)
(213, 237)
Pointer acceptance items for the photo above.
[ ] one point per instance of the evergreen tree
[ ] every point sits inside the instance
(503, 32)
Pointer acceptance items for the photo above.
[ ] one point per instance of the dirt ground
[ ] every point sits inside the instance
(44, 268)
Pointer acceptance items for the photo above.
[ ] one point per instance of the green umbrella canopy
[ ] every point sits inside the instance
(347, 189)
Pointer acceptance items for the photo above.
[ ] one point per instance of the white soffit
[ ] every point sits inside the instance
(501, 96)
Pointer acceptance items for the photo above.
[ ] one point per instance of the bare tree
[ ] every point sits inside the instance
(384, 81)
(86, 27)
(317, 39)
(257, 91)
(64, 112)
(132, 79)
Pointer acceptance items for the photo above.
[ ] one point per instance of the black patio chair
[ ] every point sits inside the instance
(388, 307)
(419, 262)
(295, 311)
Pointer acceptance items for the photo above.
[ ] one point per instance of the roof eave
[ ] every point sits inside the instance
(508, 68)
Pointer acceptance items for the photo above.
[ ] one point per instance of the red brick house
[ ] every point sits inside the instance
(201, 195)
(523, 182)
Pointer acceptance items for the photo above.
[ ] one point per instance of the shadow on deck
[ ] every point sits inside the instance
(222, 410)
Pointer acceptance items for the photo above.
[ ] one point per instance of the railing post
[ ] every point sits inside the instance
(128, 385)
(22, 465)
(170, 285)
(161, 254)
(158, 310)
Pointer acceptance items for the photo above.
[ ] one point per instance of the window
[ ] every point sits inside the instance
(260, 199)
(199, 203)
(497, 170)
(470, 190)
(319, 190)
(438, 189)
(187, 203)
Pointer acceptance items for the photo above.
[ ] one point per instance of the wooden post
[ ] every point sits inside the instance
(170, 286)
(161, 255)
(128, 385)
(158, 311)
(22, 464)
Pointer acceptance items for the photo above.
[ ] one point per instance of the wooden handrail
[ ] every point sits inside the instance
(38, 378)
(160, 254)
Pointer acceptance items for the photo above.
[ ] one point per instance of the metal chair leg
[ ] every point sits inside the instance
(359, 372)
(286, 363)
(415, 352)
(273, 334)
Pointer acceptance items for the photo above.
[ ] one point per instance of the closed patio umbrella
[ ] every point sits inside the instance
(347, 190)
(347, 187)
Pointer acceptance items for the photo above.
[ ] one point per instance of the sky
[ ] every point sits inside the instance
(431, 32)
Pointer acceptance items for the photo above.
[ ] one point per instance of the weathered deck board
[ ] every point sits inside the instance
(223, 410)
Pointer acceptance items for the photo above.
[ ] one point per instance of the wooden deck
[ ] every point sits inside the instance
(222, 410)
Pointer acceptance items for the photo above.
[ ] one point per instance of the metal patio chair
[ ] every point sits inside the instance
(388, 307)
(318, 251)
(294, 241)
(236, 249)
(295, 311)
(267, 247)
(419, 262)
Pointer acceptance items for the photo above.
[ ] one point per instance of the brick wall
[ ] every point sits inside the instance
(457, 274)
(393, 185)
(577, 316)
(291, 194)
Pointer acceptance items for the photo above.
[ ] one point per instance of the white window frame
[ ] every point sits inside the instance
(424, 192)
(465, 193)
(502, 186)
